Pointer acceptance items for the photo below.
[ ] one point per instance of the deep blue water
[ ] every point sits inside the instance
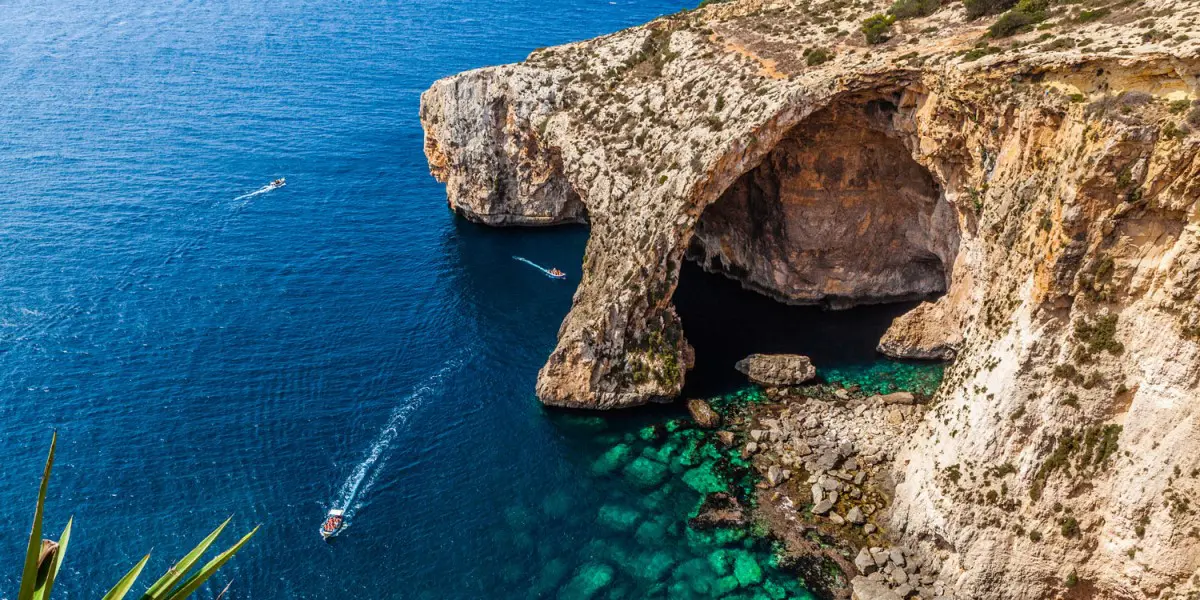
(204, 353)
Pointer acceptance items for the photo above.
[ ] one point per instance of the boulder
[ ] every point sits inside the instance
(588, 580)
(774, 475)
(856, 516)
(866, 589)
(895, 398)
(777, 369)
(864, 562)
(726, 439)
(703, 414)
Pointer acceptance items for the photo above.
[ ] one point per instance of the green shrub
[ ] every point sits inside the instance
(982, 8)
(1024, 14)
(1035, 536)
(973, 55)
(1088, 16)
(878, 28)
(911, 9)
(1099, 335)
(818, 56)
(1179, 106)
(1070, 527)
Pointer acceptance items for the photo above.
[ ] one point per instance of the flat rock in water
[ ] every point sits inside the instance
(777, 369)
(703, 414)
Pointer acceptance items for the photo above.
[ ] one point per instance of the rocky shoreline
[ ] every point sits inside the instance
(824, 456)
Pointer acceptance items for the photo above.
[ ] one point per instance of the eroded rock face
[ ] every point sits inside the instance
(777, 369)
(1054, 200)
(496, 171)
(837, 213)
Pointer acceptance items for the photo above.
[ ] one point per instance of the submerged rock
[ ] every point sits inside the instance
(645, 473)
(614, 459)
(654, 566)
(746, 569)
(777, 369)
(588, 580)
(703, 479)
(718, 509)
(619, 518)
(703, 414)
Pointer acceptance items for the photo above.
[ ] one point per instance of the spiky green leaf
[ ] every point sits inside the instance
(118, 592)
(194, 583)
(176, 573)
(29, 573)
(43, 591)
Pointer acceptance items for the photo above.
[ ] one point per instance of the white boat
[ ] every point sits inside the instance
(333, 524)
(278, 183)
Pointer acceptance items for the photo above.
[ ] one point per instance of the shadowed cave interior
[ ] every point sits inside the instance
(837, 216)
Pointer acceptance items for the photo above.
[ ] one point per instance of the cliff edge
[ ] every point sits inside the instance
(1033, 166)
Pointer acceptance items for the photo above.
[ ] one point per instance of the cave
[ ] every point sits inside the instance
(837, 214)
(725, 322)
(816, 249)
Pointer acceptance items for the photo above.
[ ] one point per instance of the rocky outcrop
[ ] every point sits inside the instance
(777, 369)
(1045, 185)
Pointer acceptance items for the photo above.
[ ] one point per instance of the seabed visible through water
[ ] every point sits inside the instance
(645, 479)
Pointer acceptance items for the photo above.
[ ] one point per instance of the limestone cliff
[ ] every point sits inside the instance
(1045, 184)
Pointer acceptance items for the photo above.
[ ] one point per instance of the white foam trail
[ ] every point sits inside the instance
(366, 472)
(534, 265)
(262, 190)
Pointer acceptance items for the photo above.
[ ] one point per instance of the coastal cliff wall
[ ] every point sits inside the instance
(1046, 190)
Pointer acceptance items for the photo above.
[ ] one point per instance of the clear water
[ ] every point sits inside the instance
(339, 341)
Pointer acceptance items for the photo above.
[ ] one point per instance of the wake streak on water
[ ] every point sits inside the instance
(262, 190)
(535, 265)
(366, 473)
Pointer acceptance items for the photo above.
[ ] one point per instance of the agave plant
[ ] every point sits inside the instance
(44, 557)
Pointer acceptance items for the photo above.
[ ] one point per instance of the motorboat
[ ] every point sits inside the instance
(334, 521)
(556, 274)
(278, 183)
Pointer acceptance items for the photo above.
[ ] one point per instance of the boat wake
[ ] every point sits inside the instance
(537, 266)
(260, 191)
(366, 472)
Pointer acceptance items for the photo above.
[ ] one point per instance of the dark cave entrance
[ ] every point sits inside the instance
(838, 215)
(725, 322)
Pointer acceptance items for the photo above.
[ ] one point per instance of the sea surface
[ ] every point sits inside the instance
(206, 347)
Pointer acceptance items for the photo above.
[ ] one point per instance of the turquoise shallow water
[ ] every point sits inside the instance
(342, 341)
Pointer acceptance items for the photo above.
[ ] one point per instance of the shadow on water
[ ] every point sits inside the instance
(725, 322)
